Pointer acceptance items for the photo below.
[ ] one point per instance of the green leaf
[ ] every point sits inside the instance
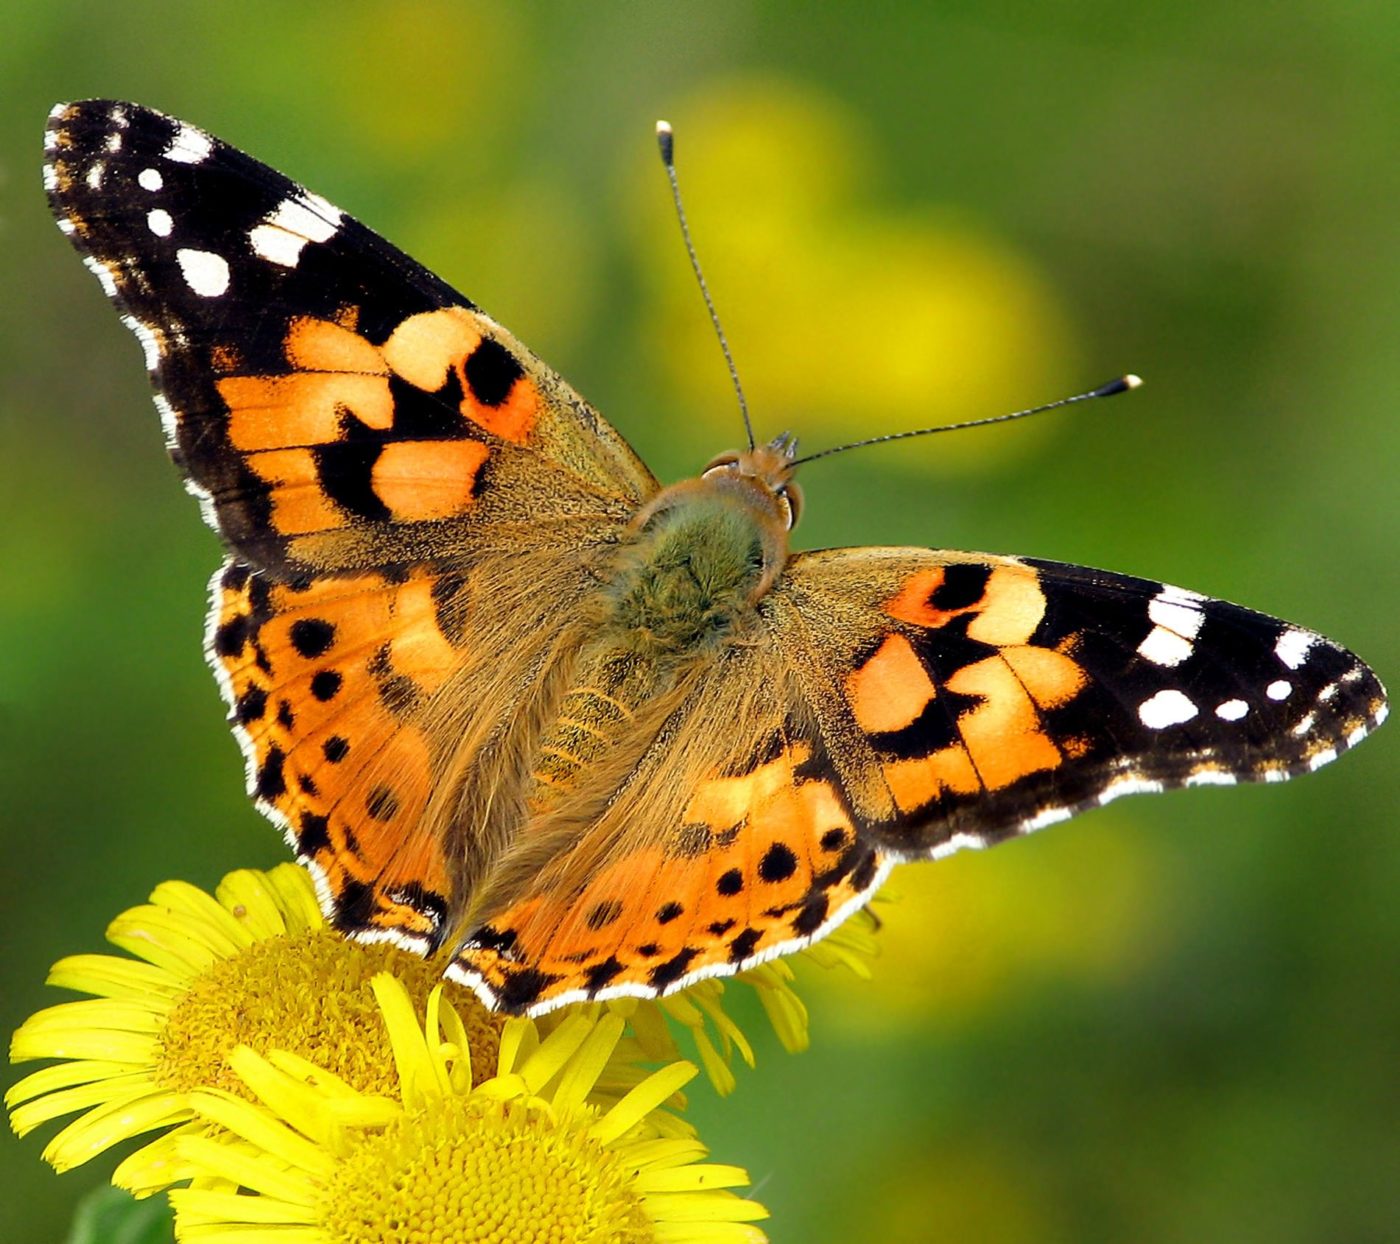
(108, 1215)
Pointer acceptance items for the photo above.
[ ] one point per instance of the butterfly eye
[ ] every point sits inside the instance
(790, 504)
(724, 463)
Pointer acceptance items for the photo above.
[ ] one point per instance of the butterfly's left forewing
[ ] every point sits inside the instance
(334, 404)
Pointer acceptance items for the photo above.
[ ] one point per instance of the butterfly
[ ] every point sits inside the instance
(518, 706)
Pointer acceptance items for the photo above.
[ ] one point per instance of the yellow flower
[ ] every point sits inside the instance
(531, 1154)
(256, 967)
(699, 1010)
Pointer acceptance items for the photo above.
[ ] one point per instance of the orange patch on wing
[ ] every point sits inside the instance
(1049, 677)
(304, 408)
(512, 419)
(891, 689)
(1008, 611)
(916, 783)
(911, 603)
(299, 505)
(724, 801)
(421, 480)
(425, 347)
(1002, 735)
(1011, 607)
(324, 345)
(420, 650)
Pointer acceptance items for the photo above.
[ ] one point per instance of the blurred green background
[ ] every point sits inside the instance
(1173, 1020)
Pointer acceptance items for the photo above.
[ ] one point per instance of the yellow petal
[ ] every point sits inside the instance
(519, 1039)
(692, 1178)
(420, 1078)
(222, 931)
(255, 1170)
(108, 976)
(65, 1075)
(587, 1065)
(100, 1129)
(161, 938)
(296, 895)
(114, 1014)
(554, 1051)
(252, 901)
(196, 1204)
(258, 1127)
(105, 1045)
(643, 1099)
(129, 1088)
(703, 1207)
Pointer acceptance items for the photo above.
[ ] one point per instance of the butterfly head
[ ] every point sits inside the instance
(768, 469)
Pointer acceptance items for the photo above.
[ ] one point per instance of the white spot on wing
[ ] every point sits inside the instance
(1178, 609)
(189, 145)
(958, 842)
(50, 178)
(167, 418)
(150, 344)
(1129, 785)
(295, 222)
(1166, 708)
(205, 272)
(1164, 647)
(1176, 616)
(103, 274)
(150, 179)
(1051, 816)
(114, 142)
(1231, 710)
(1292, 647)
(95, 175)
(159, 222)
(1281, 689)
(1211, 777)
(1324, 757)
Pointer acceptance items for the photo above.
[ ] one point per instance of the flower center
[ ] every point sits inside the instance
(307, 993)
(468, 1171)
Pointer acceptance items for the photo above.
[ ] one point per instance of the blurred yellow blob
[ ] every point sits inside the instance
(973, 931)
(849, 316)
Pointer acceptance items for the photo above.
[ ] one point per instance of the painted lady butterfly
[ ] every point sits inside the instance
(517, 705)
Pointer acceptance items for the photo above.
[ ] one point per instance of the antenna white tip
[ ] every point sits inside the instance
(665, 140)
(1132, 382)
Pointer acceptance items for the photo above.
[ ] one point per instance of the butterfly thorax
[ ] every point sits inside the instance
(682, 586)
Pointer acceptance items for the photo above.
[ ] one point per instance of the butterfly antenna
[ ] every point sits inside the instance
(665, 139)
(1120, 385)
